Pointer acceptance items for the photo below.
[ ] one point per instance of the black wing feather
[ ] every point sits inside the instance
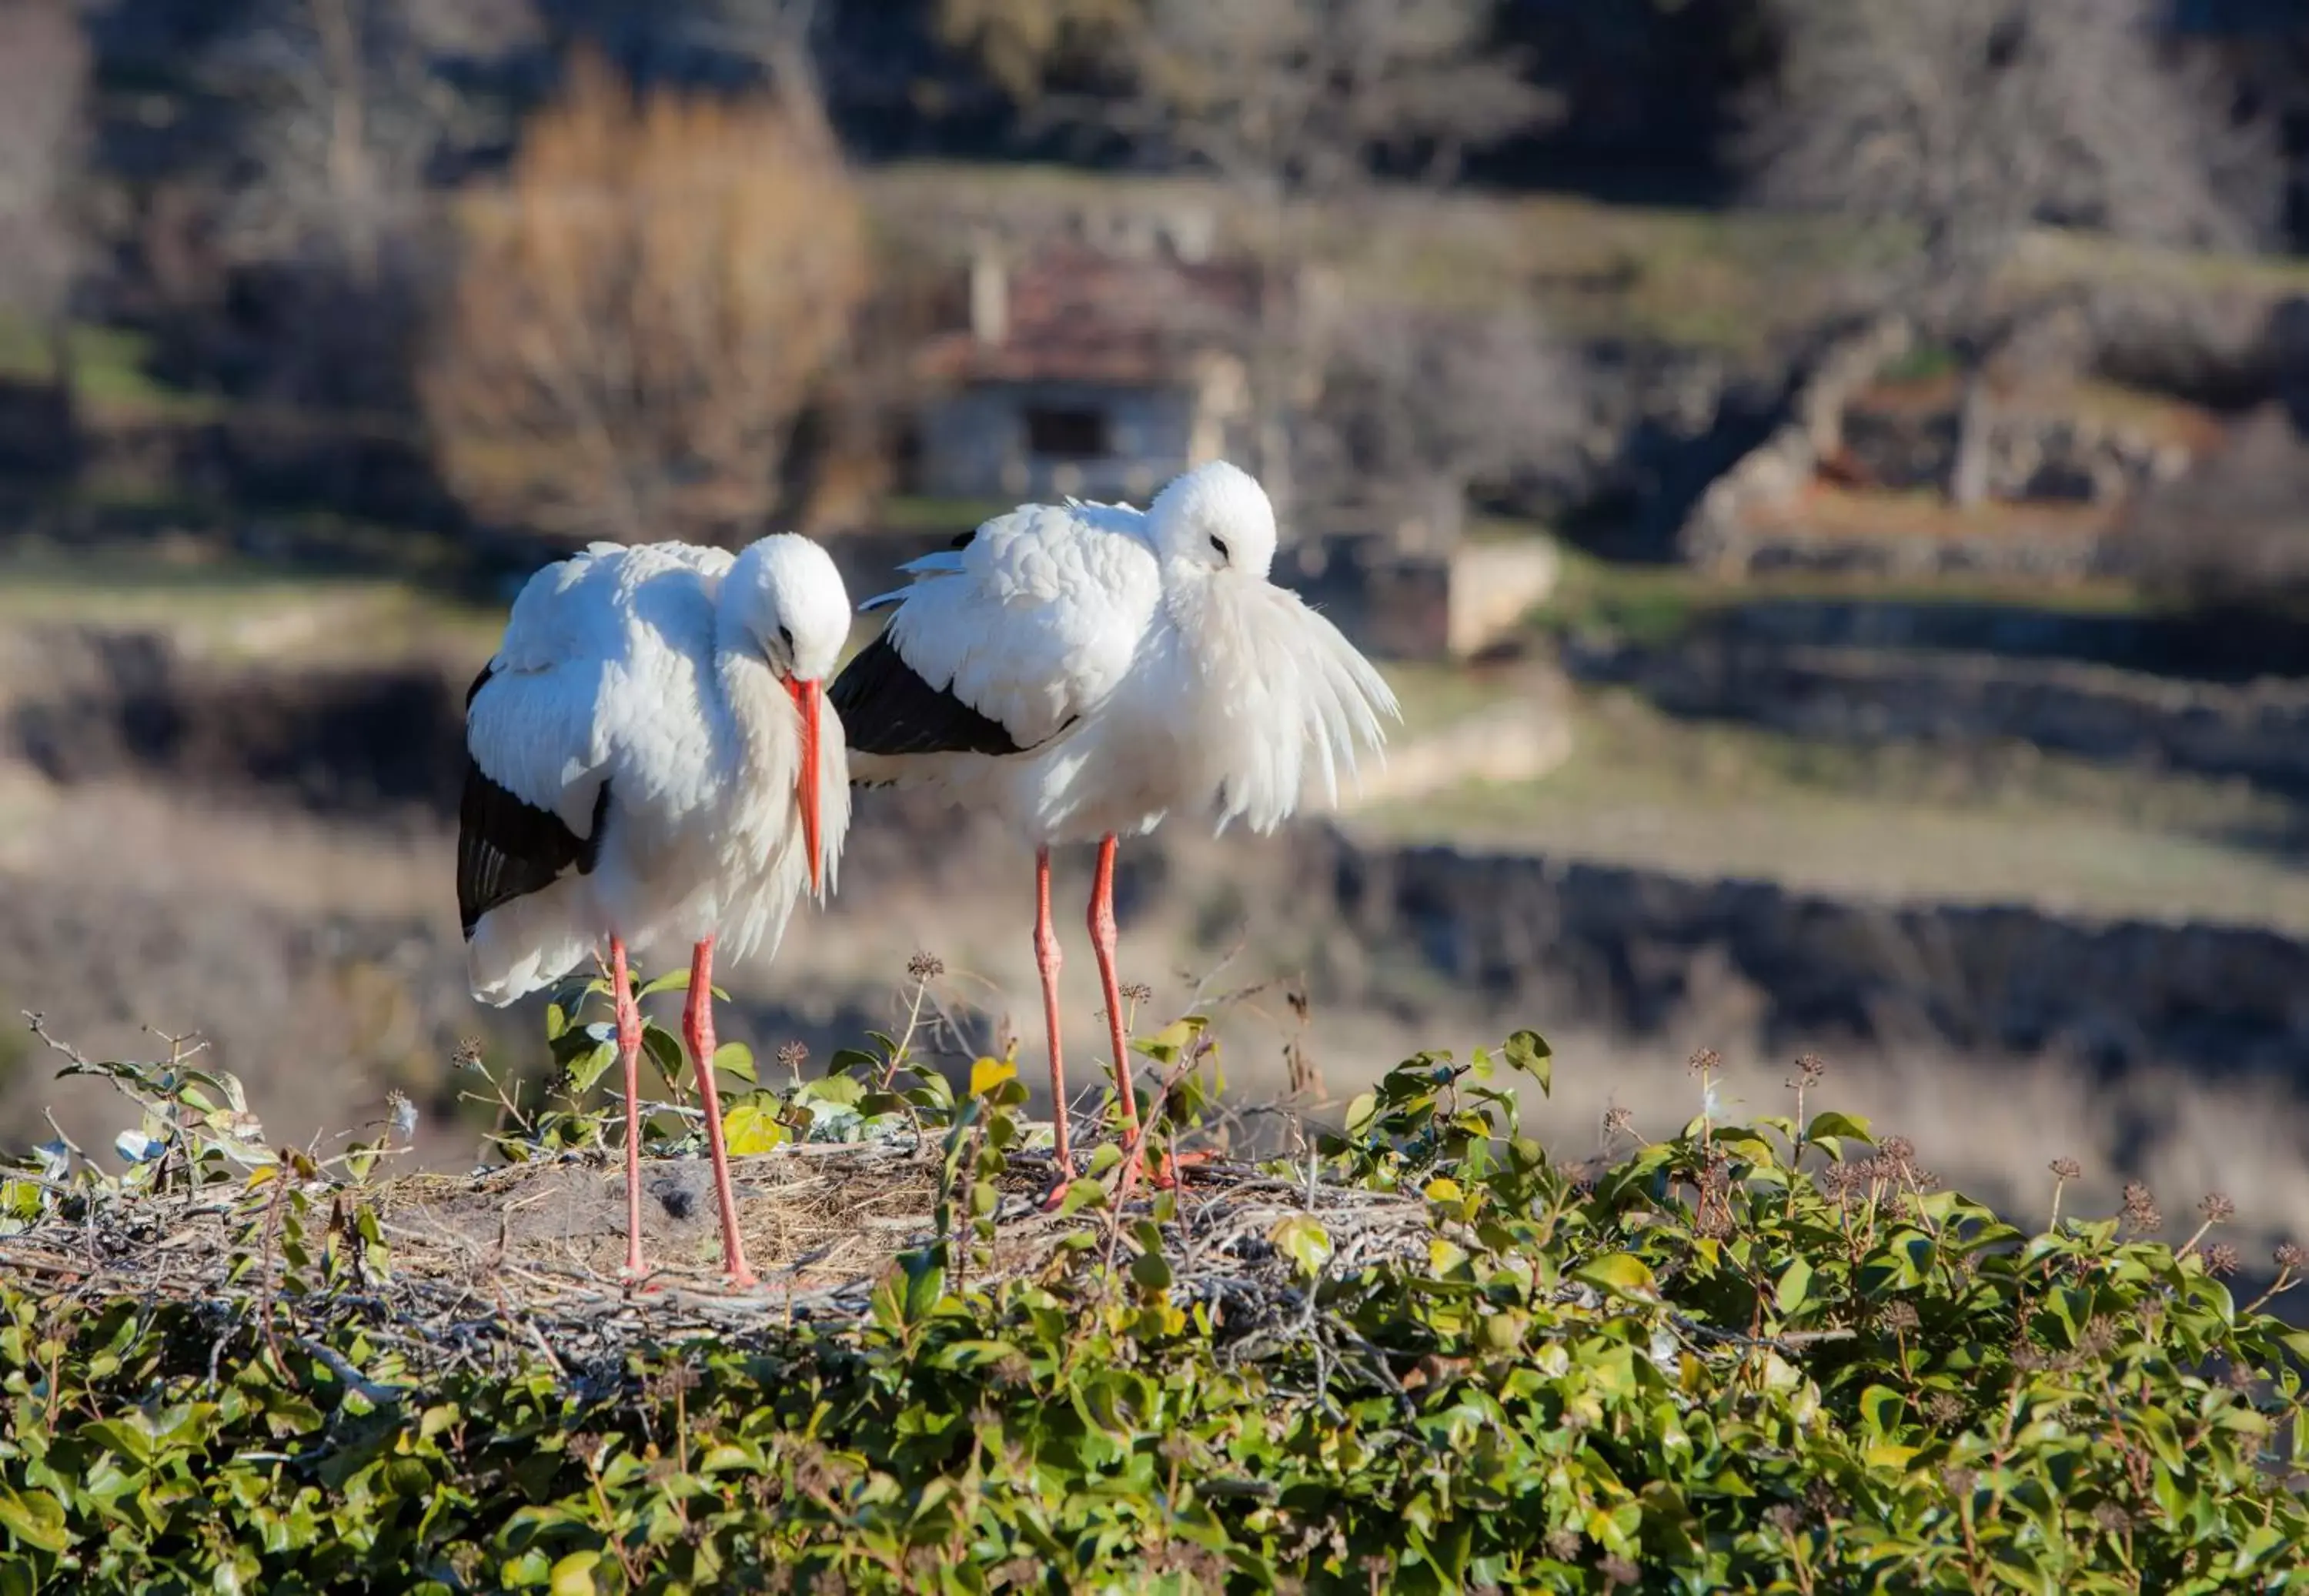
(507, 849)
(885, 708)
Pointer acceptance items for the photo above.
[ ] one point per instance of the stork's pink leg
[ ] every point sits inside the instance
(698, 1031)
(1101, 941)
(629, 1050)
(1048, 959)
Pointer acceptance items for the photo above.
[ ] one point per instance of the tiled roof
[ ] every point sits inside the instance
(1079, 315)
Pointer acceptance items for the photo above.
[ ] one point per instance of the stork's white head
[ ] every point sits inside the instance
(1214, 518)
(784, 598)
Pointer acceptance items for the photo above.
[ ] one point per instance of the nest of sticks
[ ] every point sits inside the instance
(522, 1263)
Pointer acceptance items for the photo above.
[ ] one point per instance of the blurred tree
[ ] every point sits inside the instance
(1026, 45)
(341, 115)
(1423, 405)
(642, 313)
(1958, 124)
(1302, 97)
(43, 87)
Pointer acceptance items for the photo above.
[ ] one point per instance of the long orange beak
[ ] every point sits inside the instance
(805, 697)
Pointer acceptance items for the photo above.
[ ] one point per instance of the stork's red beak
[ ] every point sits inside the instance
(805, 697)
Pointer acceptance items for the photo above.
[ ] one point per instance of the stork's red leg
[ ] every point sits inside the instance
(1101, 941)
(1048, 959)
(629, 1050)
(698, 1031)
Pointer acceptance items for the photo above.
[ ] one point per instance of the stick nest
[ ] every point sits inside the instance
(524, 1262)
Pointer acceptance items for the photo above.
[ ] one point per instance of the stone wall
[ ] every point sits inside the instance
(2258, 730)
(1628, 949)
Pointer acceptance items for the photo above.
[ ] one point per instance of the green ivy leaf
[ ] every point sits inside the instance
(1298, 1237)
(735, 1059)
(1621, 1272)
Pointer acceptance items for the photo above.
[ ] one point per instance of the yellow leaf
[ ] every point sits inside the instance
(573, 1575)
(751, 1128)
(988, 1073)
(1444, 1189)
(1885, 1454)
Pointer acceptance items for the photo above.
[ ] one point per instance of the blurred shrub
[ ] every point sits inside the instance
(642, 313)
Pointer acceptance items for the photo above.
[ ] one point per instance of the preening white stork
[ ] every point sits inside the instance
(647, 766)
(1083, 669)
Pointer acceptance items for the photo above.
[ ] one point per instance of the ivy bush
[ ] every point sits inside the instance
(1764, 1357)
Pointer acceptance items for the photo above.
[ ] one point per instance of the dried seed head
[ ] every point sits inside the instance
(1785, 1519)
(1809, 1068)
(468, 1054)
(1618, 1122)
(794, 1054)
(2141, 1211)
(1620, 1571)
(2290, 1255)
(587, 1447)
(2216, 1208)
(1707, 1061)
(1898, 1150)
(1563, 1545)
(1900, 1317)
(404, 1112)
(1138, 992)
(925, 967)
(1959, 1480)
(2239, 1377)
(1944, 1408)
(2221, 1260)
(2068, 1169)
(2113, 1518)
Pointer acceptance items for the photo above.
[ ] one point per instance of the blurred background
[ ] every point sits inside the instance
(1826, 477)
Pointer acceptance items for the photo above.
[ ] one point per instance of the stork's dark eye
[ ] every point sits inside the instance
(1220, 544)
(785, 636)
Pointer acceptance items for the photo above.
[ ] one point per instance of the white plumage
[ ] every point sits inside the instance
(1081, 670)
(647, 772)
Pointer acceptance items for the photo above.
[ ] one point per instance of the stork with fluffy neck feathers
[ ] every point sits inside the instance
(1081, 670)
(649, 767)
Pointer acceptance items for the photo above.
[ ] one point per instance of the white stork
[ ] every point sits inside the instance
(644, 767)
(1080, 670)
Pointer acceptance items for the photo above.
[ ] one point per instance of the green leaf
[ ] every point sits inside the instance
(1844, 1127)
(664, 1051)
(573, 1575)
(1300, 1238)
(589, 1067)
(736, 1059)
(34, 1518)
(1529, 1051)
(672, 980)
(1794, 1286)
(1152, 1270)
(1621, 1272)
